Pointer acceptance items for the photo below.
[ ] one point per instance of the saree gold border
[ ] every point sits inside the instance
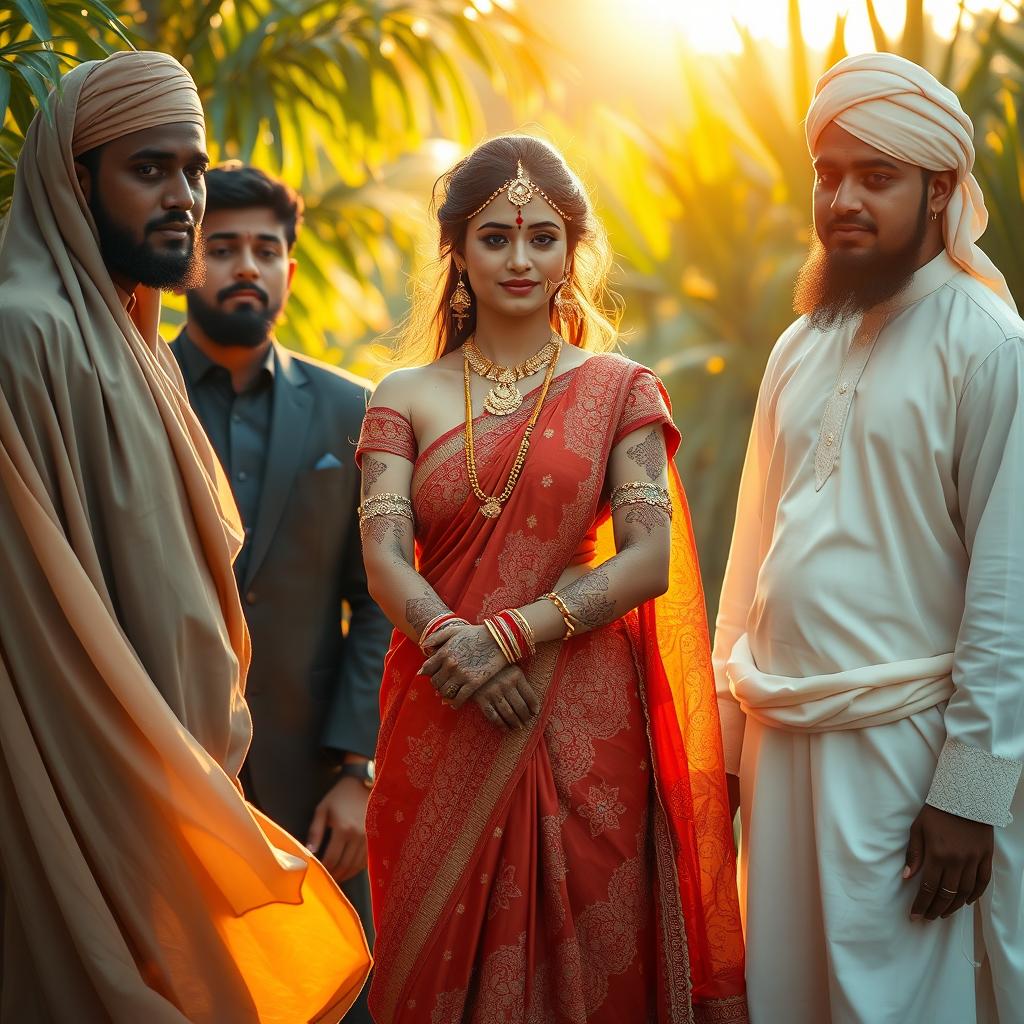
(549, 658)
(723, 1011)
(676, 945)
(482, 427)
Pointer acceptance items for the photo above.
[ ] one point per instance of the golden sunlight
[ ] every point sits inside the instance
(710, 27)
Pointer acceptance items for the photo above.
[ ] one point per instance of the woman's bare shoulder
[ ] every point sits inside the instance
(398, 389)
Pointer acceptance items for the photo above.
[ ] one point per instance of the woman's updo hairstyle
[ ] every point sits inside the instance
(431, 331)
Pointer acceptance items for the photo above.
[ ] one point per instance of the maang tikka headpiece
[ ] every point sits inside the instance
(520, 191)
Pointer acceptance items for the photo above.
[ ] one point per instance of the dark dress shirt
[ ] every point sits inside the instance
(238, 425)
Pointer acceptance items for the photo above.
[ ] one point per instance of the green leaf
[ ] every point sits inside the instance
(34, 12)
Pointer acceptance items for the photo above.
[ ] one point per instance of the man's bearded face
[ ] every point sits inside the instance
(870, 227)
(147, 197)
(248, 277)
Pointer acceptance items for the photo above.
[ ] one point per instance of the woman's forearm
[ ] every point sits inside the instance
(636, 574)
(402, 593)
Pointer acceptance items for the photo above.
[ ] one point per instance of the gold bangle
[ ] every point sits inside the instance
(531, 640)
(510, 639)
(496, 636)
(563, 610)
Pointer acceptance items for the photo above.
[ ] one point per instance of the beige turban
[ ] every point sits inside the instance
(128, 92)
(899, 108)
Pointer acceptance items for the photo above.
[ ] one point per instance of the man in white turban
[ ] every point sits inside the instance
(870, 644)
(136, 885)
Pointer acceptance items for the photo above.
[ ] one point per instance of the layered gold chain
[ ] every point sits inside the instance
(491, 504)
(504, 398)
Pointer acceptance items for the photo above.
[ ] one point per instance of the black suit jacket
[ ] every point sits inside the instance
(312, 690)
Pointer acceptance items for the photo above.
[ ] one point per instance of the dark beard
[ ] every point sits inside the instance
(832, 288)
(247, 327)
(139, 261)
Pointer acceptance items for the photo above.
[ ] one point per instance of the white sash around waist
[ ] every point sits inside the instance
(854, 699)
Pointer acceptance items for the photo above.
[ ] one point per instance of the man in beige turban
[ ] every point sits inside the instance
(135, 883)
(870, 642)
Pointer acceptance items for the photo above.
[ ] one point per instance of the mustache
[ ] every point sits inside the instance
(241, 286)
(180, 221)
(850, 222)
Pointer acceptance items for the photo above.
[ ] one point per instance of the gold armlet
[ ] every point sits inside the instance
(563, 610)
(385, 505)
(639, 493)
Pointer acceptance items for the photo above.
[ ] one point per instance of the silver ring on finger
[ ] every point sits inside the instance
(948, 892)
(491, 712)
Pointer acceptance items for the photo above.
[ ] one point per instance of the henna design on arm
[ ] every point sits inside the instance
(373, 470)
(588, 598)
(647, 516)
(649, 454)
(419, 611)
(377, 529)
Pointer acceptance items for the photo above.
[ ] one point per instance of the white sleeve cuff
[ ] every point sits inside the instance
(974, 784)
(733, 721)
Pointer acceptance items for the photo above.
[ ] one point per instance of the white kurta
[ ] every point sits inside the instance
(877, 573)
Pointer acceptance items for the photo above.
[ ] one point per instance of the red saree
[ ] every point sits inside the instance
(582, 870)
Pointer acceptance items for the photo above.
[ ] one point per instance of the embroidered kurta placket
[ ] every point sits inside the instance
(837, 408)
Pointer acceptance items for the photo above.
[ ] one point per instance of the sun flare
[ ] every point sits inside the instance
(710, 26)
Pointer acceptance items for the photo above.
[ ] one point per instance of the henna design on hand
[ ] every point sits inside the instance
(587, 600)
(420, 610)
(474, 651)
(373, 470)
(648, 516)
(650, 454)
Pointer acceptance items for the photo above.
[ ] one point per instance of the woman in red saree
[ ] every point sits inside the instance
(549, 833)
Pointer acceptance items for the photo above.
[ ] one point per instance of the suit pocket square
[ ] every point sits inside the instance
(328, 461)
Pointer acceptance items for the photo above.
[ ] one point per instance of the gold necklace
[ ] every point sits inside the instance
(504, 398)
(491, 504)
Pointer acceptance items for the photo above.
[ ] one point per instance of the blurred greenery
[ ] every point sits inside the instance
(704, 182)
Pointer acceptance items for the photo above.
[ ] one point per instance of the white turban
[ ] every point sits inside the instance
(899, 108)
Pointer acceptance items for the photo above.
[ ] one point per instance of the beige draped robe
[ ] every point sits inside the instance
(135, 883)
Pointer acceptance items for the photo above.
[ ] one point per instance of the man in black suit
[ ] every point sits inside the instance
(284, 427)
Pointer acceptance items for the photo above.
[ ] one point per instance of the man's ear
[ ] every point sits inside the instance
(293, 265)
(940, 190)
(84, 180)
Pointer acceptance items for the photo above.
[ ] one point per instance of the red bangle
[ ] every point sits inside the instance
(436, 623)
(523, 641)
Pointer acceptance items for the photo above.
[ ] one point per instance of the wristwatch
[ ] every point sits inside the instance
(365, 771)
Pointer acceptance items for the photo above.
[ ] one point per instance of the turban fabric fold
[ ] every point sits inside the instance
(128, 92)
(899, 108)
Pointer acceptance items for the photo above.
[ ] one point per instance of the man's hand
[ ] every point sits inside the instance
(467, 660)
(342, 812)
(954, 856)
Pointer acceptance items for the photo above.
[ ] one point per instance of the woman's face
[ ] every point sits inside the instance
(508, 265)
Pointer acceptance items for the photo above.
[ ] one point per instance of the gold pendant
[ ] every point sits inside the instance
(491, 508)
(503, 399)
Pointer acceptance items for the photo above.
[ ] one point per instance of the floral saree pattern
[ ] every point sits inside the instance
(580, 871)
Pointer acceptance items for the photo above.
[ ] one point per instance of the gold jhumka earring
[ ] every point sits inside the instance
(460, 303)
(566, 305)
